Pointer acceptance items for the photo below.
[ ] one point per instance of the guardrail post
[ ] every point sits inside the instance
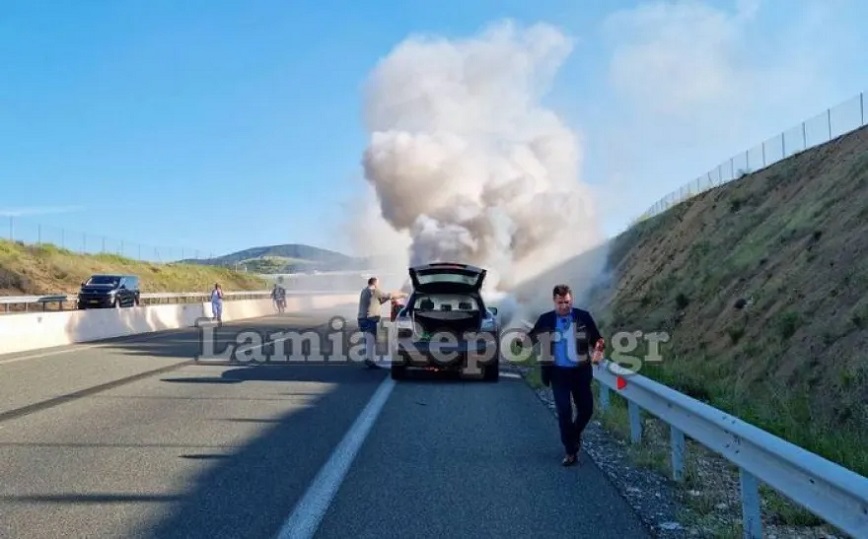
(676, 438)
(751, 513)
(635, 422)
(604, 396)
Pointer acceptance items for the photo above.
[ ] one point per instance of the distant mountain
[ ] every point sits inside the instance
(287, 258)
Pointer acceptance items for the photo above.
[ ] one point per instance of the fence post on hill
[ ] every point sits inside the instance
(829, 122)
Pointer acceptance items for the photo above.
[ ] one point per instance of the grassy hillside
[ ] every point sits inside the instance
(286, 258)
(762, 285)
(276, 264)
(46, 269)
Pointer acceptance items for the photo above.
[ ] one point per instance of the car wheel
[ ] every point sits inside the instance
(399, 372)
(492, 372)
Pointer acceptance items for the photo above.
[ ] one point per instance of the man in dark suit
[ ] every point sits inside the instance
(566, 336)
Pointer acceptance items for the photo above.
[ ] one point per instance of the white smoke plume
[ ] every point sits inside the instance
(467, 164)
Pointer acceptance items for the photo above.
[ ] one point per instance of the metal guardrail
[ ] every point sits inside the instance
(831, 492)
(19, 300)
(149, 298)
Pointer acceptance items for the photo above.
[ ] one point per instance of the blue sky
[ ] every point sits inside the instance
(216, 126)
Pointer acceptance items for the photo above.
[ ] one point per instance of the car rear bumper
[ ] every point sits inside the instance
(458, 354)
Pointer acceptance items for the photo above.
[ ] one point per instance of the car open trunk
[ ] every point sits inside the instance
(456, 322)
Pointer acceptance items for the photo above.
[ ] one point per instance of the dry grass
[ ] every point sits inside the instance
(709, 493)
(760, 284)
(46, 269)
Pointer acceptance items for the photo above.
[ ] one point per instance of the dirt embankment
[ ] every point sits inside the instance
(46, 269)
(762, 285)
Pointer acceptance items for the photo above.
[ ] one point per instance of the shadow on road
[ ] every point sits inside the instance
(278, 339)
(248, 492)
(246, 488)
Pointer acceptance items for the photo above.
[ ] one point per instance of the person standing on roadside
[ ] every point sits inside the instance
(278, 295)
(565, 365)
(217, 303)
(371, 300)
(282, 299)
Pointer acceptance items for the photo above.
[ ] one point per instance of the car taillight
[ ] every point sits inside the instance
(404, 323)
(404, 326)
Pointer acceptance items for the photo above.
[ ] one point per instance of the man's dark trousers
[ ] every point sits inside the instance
(573, 384)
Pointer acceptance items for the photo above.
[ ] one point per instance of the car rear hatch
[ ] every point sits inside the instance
(456, 323)
(447, 278)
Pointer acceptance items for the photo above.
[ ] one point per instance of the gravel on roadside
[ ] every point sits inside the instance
(672, 510)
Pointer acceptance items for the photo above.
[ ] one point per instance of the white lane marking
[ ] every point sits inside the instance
(308, 513)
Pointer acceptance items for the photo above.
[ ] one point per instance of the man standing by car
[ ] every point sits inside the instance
(566, 335)
(370, 304)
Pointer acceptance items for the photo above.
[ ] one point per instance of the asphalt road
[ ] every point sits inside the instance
(133, 438)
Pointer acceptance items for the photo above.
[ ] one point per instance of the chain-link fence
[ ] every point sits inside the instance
(18, 229)
(829, 125)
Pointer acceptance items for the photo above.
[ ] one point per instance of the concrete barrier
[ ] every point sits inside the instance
(33, 331)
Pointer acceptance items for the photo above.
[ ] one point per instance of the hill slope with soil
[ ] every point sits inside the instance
(762, 285)
(46, 269)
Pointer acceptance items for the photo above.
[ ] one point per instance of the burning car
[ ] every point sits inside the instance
(444, 324)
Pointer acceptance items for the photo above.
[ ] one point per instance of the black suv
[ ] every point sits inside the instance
(109, 291)
(445, 324)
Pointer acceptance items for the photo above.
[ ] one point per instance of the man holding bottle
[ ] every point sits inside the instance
(566, 335)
